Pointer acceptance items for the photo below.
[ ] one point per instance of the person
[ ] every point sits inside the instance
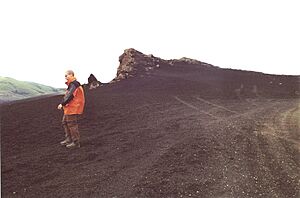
(73, 106)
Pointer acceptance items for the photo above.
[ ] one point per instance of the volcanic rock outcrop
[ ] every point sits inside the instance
(211, 80)
(133, 62)
(93, 82)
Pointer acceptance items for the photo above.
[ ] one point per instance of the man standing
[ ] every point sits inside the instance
(72, 104)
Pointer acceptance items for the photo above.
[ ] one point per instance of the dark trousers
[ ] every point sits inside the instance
(70, 124)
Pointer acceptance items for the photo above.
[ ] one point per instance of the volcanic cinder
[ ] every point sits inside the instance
(161, 128)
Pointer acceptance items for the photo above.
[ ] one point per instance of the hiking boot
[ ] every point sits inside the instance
(65, 142)
(73, 145)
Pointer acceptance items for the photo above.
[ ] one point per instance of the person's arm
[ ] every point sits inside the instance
(69, 96)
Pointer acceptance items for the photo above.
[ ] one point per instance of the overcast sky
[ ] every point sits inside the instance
(40, 39)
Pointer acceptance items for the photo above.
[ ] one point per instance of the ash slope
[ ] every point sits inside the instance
(172, 128)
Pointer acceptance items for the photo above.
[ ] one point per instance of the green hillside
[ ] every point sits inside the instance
(11, 89)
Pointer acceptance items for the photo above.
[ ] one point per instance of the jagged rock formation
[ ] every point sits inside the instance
(133, 62)
(93, 82)
(92, 79)
(186, 72)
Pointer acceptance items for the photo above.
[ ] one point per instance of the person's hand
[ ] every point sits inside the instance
(59, 106)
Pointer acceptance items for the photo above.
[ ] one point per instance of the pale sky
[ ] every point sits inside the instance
(41, 39)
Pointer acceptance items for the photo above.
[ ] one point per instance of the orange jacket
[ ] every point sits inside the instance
(73, 101)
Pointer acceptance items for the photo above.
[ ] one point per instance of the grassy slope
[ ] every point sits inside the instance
(11, 89)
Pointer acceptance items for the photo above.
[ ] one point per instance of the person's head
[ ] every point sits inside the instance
(69, 74)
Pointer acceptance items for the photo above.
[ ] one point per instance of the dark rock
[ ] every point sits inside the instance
(93, 82)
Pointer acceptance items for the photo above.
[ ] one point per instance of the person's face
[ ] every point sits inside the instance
(67, 76)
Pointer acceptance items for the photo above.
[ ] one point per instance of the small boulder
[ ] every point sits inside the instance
(93, 82)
